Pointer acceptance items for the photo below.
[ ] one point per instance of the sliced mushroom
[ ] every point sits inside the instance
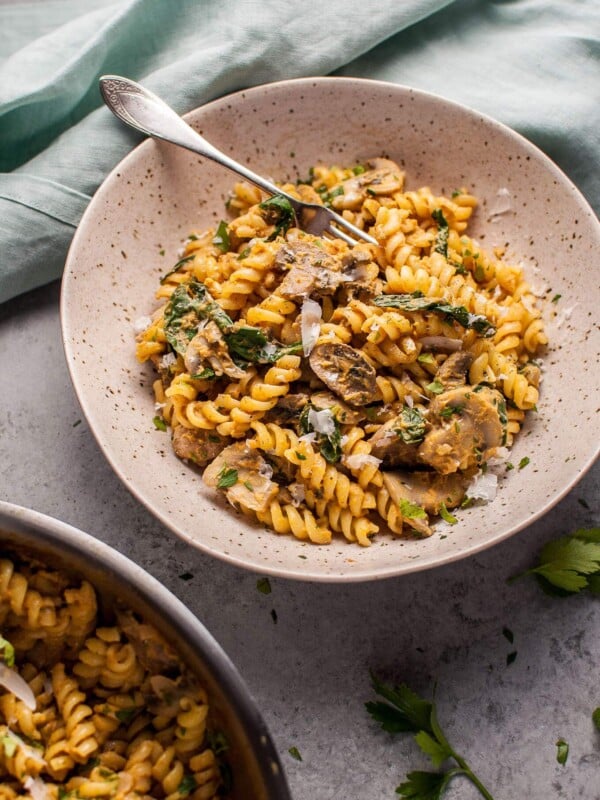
(208, 347)
(198, 446)
(428, 490)
(152, 650)
(363, 278)
(466, 428)
(388, 445)
(383, 178)
(346, 372)
(288, 410)
(453, 372)
(244, 475)
(341, 411)
(310, 270)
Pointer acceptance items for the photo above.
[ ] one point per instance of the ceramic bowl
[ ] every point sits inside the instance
(257, 771)
(159, 193)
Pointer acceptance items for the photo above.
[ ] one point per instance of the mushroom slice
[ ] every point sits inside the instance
(310, 271)
(399, 492)
(453, 372)
(346, 372)
(152, 650)
(244, 475)
(196, 445)
(428, 491)
(383, 178)
(340, 410)
(391, 448)
(288, 410)
(468, 425)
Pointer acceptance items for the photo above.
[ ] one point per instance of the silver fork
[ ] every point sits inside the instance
(146, 112)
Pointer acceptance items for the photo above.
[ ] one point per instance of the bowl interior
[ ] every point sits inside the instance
(251, 754)
(140, 216)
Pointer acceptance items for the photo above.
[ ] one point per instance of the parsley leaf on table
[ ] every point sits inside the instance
(405, 712)
(569, 564)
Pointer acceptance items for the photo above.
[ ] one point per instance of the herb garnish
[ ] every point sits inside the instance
(8, 652)
(411, 510)
(523, 462)
(406, 712)
(227, 477)
(221, 237)
(562, 752)
(159, 423)
(125, 715)
(411, 425)
(446, 515)
(596, 717)
(179, 264)
(263, 585)
(441, 240)
(569, 564)
(279, 213)
(435, 387)
(329, 443)
(418, 302)
(295, 753)
(187, 785)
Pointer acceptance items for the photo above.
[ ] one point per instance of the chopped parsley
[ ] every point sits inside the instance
(449, 410)
(187, 785)
(556, 298)
(523, 462)
(411, 510)
(8, 653)
(227, 477)
(263, 585)
(411, 425)
(295, 753)
(426, 358)
(562, 752)
(159, 423)
(446, 515)
(125, 715)
(435, 387)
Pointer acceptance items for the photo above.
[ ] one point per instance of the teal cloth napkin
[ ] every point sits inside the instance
(532, 64)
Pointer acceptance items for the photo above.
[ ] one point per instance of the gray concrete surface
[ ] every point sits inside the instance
(309, 669)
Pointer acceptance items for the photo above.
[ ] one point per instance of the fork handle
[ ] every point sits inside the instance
(144, 111)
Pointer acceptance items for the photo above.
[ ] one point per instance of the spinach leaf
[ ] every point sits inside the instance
(279, 213)
(251, 345)
(330, 445)
(189, 304)
(418, 302)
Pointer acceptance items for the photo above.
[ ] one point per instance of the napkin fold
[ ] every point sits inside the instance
(532, 64)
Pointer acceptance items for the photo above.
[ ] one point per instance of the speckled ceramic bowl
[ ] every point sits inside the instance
(151, 201)
(251, 754)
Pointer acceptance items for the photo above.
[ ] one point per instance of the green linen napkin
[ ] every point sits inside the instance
(532, 64)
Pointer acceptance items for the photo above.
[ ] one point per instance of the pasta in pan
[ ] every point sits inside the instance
(92, 710)
(329, 389)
